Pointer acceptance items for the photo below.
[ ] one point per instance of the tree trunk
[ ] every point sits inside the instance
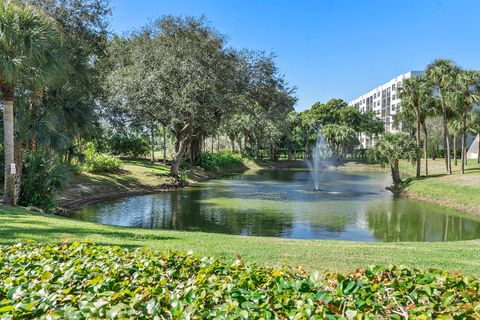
(19, 166)
(395, 176)
(259, 156)
(418, 143)
(273, 152)
(8, 144)
(32, 144)
(478, 153)
(307, 150)
(290, 154)
(464, 139)
(232, 142)
(182, 138)
(455, 162)
(164, 144)
(245, 138)
(446, 137)
(218, 143)
(194, 149)
(152, 143)
(425, 148)
(176, 157)
(239, 141)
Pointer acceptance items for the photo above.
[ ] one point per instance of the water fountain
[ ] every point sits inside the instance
(322, 157)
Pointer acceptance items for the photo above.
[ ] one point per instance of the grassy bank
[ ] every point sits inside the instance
(454, 191)
(137, 176)
(18, 225)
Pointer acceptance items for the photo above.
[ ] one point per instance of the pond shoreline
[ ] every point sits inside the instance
(433, 196)
(112, 192)
(282, 203)
(194, 176)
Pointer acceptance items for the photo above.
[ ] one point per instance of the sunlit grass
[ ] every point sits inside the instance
(19, 225)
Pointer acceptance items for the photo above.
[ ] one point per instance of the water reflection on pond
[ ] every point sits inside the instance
(281, 203)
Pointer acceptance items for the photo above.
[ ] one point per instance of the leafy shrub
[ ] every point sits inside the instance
(220, 160)
(42, 175)
(99, 162)
(129, 146)
(83, 281)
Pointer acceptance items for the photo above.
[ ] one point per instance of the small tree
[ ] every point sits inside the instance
(389, 150)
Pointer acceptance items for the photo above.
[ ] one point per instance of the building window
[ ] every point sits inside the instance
(393, 97)
(393, 87)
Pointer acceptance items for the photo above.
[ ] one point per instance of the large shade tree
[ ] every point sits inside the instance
(27, 39)
(176, 72)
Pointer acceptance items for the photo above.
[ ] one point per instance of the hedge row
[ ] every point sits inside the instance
(84, 281)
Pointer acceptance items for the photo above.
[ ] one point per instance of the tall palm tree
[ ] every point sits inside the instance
(26, 38)
(389, 150)
(467, 94)
(455, 128)
(416, 95)
(442, 73)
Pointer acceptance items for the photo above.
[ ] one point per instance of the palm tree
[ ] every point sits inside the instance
(416, 95)
(389, 150)
(455, 128)
(26, 38)
(442, 73)
(467, 94)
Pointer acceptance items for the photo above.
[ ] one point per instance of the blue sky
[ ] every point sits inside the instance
(332, 48)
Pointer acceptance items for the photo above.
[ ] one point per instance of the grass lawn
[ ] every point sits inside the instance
(18, 225)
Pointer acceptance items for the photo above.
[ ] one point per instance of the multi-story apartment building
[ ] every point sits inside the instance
(384, 102)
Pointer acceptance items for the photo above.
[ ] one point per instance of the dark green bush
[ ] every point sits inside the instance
(42, 175)
(220, 160)
(83, 281)
(128, 146)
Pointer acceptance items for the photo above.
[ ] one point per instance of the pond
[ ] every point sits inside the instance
(281, 203)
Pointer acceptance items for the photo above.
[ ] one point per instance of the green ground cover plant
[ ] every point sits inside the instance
(81, 280)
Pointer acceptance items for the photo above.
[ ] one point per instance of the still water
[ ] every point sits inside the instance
(282, 203)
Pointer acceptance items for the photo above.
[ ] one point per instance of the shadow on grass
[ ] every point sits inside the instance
(21, 226)
(149, 165)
